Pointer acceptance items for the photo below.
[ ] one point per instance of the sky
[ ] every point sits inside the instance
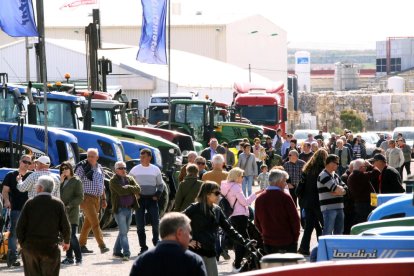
(312, 24)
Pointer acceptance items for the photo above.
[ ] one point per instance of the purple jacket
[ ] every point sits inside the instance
(233, 191)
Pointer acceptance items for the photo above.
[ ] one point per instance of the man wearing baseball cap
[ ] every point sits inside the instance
(42, 168)
(389, 179)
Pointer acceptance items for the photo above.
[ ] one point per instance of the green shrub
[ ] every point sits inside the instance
(352, 120)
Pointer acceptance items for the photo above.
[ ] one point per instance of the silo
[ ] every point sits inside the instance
(302, 70)
(397, 84)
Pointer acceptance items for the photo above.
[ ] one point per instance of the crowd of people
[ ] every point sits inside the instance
(330, 184)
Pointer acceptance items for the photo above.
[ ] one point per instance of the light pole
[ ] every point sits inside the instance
(42, 62)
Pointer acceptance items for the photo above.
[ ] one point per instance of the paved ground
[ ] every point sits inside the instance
(105, 264)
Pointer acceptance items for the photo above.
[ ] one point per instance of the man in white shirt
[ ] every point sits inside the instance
(394, 155)
(149, 179)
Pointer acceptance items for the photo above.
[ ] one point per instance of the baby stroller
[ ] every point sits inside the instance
(253, 256)
(4, 234)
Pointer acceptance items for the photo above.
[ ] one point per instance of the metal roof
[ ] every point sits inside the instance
(187, 69)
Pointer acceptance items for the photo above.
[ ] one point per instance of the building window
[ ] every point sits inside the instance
(395, 65)
(381, 65)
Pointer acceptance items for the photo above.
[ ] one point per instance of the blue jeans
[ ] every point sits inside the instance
(247, 185)
(333, 220)
(14, 217)
(151, 206)
(74, 246)
(123, 219)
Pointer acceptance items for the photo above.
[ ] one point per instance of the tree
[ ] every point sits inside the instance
(352, 120)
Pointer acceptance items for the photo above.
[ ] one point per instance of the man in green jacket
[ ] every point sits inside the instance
(188, 189)
(124, 194)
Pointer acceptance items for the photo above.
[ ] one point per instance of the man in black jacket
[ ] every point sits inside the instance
(41, 224)
(389, 179)
(214, 148)
(172, 251)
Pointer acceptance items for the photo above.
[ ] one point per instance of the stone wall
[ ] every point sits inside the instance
(381, 111)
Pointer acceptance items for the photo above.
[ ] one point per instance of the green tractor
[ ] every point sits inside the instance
(201, 120)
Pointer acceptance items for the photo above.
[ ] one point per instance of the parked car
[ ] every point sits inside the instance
(371, 139)
(385, 133)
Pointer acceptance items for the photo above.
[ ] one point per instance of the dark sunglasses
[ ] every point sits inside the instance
(216, 193)
(26, 162)
(201, 163)
(122, 168)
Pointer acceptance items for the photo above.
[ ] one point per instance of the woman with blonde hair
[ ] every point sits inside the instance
(232, 190)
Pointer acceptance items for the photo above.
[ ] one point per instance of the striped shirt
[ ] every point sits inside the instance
(294, 170)
(96, 186)
(149, 179)
(28, 185)
(326, 184)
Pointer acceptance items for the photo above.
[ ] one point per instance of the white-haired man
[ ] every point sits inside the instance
(217, 174)
(361, 183)
(92, 176)
(191, 156)
(42, 221)
(280, 230)
(124, 193)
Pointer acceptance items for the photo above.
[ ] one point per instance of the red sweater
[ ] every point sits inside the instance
(276, 218)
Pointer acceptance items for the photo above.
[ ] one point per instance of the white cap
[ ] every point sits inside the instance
(44, 160)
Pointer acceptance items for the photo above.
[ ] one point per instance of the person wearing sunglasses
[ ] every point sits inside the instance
(71, 193)
(124, 197)
(206, 217)
(200, 161)
(331, 197)
(14, 200)
(42, 168)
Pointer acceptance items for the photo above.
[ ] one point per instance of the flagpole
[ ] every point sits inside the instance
(169, 64)
(42, 62)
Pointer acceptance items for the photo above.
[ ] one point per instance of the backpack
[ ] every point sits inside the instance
(225, 204)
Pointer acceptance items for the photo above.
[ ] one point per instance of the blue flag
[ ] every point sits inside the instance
(152, 44)
(17, 18)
